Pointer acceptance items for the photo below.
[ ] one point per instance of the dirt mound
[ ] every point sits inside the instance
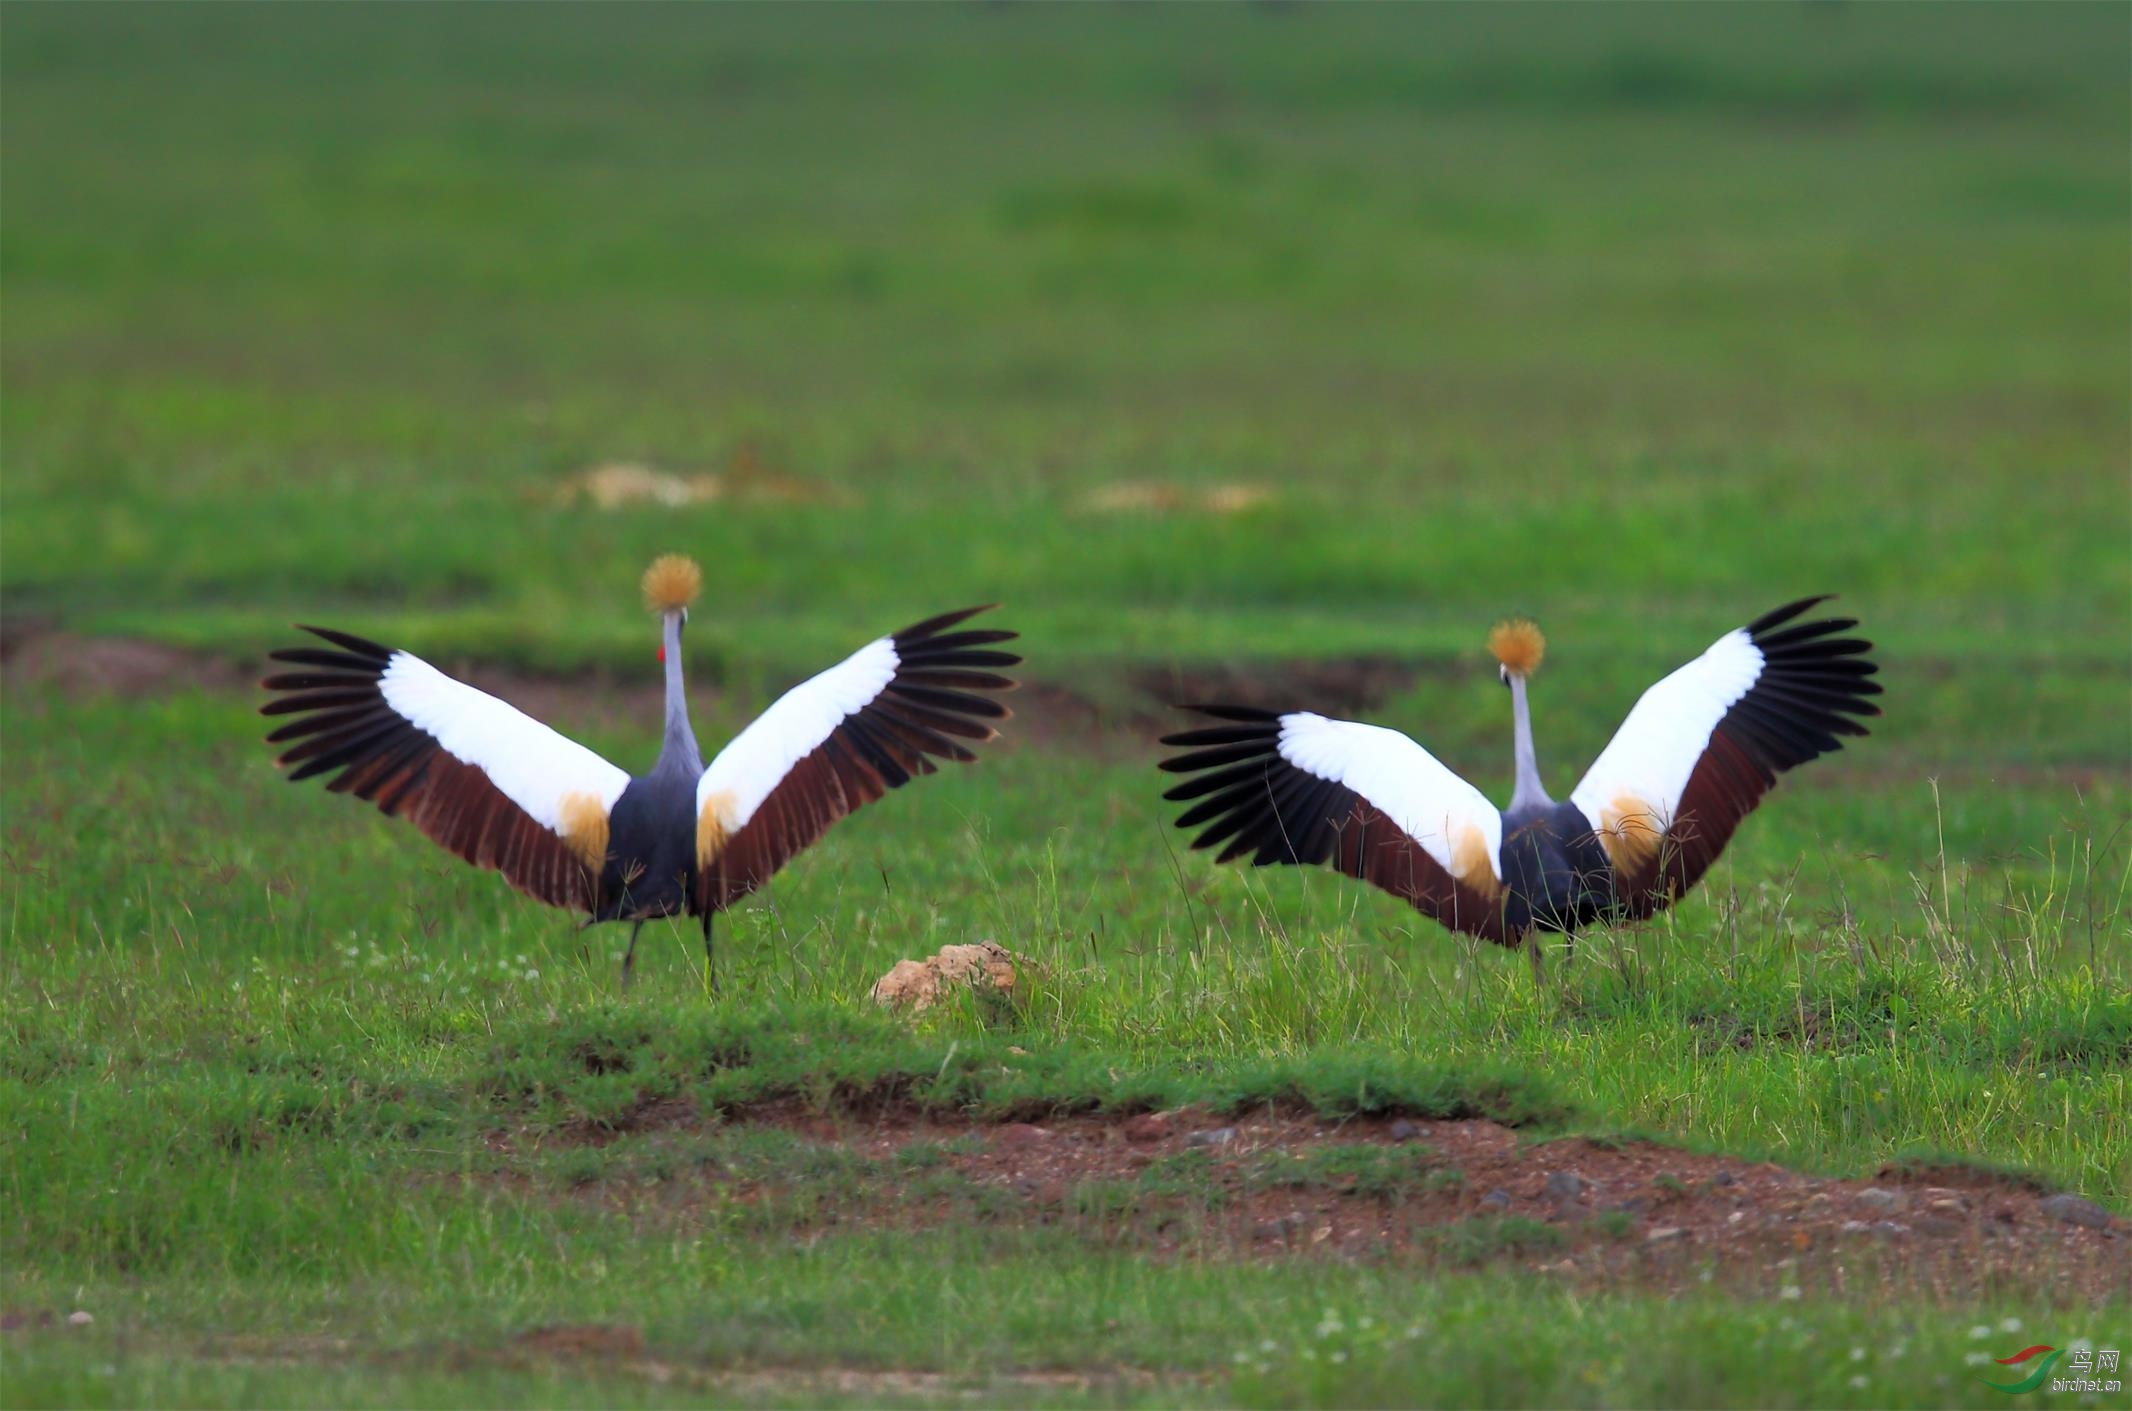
(1459, 1193)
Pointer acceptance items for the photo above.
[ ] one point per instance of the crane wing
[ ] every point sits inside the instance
(1702, 746)
(1299, 788)
(842, 739)
(495, 786)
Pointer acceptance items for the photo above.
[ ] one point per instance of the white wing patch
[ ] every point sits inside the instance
(533, 766)
(759, 757)
(1654, 752)
(1406, 783)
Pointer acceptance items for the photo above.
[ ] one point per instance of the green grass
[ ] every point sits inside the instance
(1637, 320)
(1256, 1335)
(1386, 1173)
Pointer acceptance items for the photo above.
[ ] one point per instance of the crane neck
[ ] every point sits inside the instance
(1529, 793)
(678, 750)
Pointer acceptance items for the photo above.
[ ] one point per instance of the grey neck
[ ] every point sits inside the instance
(1529, 794)
(678, 751)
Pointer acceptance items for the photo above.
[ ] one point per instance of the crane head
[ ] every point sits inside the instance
(670, 585)
(1517, 645)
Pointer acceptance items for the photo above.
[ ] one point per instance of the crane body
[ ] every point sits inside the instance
(1555, 873)
(650, 862)
(650, 866)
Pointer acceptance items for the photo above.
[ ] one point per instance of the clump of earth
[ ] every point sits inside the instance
(918, 985)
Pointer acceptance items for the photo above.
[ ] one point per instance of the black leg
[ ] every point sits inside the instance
(710, 961)
(629, 957)
(1539, 970)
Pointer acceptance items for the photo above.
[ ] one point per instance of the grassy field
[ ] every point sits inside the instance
(1279, 346)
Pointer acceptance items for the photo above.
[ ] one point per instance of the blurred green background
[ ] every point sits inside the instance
(1276, 330)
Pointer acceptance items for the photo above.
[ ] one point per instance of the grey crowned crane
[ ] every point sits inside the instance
(563, 825)
(1650, 816)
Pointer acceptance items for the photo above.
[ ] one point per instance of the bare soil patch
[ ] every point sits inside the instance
(1457, 1193)
(1118, 716)
(1336, 685)
(1115, 711)
(609, 1349)
(71, 665)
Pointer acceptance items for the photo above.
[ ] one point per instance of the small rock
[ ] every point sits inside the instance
(1404, 1131)
(1497, 1199)
(1875, 1198)
(81, 1318)
(1566, 1266)
(2075, 1211)
(1634, 1205)
(1890, 1229)
(1947, 1207)
(1854, 1227)
(1020, 1134)
(1722, 1178)
(1147, 1127)
(1220, 1136)
(1565, 1185)
(1817, 1203)
(1735, 1217)
(1936, 1226)
(1665, 1234)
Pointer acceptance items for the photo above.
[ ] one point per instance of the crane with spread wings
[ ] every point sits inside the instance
(1648, 819)
(563, 825)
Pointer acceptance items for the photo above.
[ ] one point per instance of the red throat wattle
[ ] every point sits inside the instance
(662, 651)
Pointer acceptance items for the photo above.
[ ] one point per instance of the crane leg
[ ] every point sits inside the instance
(629, 957)
(1539, 968)
(710, 961)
